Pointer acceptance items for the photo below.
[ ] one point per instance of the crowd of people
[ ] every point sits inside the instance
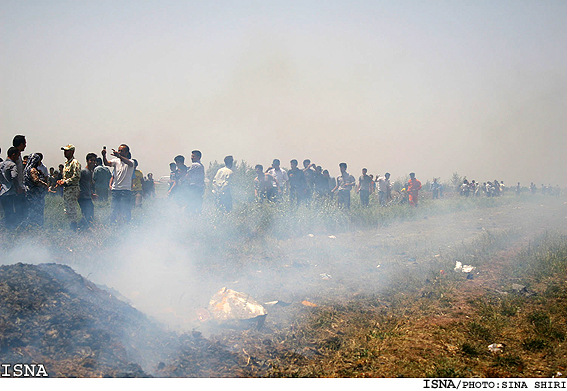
(298, 185)
(488, 189)
(26, 181)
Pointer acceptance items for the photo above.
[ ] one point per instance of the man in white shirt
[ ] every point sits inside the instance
(196, 182)
(121, 188)
(281, 177)
(222, 184)
(384, 188)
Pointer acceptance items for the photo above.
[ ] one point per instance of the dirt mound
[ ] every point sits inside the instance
(49, 314)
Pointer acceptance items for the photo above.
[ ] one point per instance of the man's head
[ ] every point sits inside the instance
(124, 151)
(19, 142)
(68, 151)
(326, 173)
(306, 163)
(51, 171)
(228, 161)
(179, 160)
(150, 177)
(343, 167)
(98, 161)
(387, 175)
(293, 163)
(259, 169)
(276, 163)
(195, 156)
(61, 166)
(40, 156)
(412, 175)
(364, 171)
(318, 169)
(91, 161)
(172, 166)
(13, 153)
(25, 159)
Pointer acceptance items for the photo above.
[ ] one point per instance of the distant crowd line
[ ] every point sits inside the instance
(25, 182)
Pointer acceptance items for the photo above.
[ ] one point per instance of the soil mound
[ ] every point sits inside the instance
(51, 315)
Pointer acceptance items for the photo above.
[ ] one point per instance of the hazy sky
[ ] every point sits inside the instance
(477, 87)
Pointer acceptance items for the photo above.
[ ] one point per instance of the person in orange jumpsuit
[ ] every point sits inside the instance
(413, 189)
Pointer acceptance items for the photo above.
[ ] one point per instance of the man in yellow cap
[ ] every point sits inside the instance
(70, 183)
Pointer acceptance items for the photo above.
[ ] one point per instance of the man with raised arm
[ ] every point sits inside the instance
(121, 188)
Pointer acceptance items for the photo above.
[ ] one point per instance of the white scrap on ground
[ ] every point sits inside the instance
(459, 267)
(496, 348)
(227, 304)
(332, 237)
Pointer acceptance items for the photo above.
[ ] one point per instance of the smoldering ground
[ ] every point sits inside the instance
(168, 265)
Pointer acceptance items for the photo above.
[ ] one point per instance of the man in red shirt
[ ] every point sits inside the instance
(413, 189)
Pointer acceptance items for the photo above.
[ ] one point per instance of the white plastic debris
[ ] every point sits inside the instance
(325, 276)
(332, 237)
(459, 267)
(311, 235)
(227, 304)
(496, 348)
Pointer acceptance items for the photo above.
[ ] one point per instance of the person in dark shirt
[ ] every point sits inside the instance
(364, 185)
(297, 184)
(86, 192)
(309, 173)
(321, 183)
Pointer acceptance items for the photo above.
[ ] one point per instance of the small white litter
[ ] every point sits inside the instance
(459, 267)
(496, 348)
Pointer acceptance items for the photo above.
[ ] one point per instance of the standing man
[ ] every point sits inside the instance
(20, 202)
(70, 184)
(364, 187)
(178, 188)
(297, 184)
(86, 195)
(322, 185)
(345, 182)
(121, 188)
(281, 177)
(101, 179)
(435, 189)
(413, 189)
(137, 182)
(9, 186)
(222, 185)
(384, 187)
(196, 182)
(309, 173)
(149, 186)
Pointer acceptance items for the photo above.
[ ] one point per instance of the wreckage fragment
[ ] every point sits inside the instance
(228, 305)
